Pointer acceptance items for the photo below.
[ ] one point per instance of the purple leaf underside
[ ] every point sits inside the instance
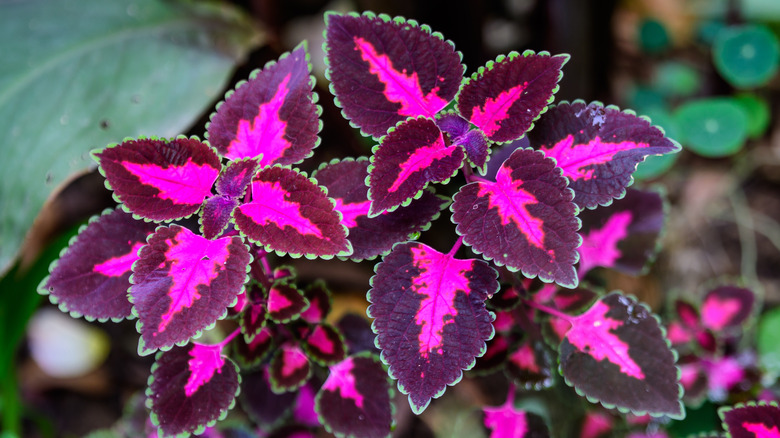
(473, 142)
(597, 147)
(271, 117)
(504, 98)
(408, 158)
(430, 317)
(375, 72)
(355, 398)
(92, 277)
(616, 353)
(622, 236)
(752, 420)
(291, 214)
(191, 388)
(160, 180)
(373, 236)
(183, 283)
(530, 217)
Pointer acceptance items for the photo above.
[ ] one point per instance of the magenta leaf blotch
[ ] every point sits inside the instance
(289, 213)
(377, 72)
(325, 345)
(506, 421)
(289, 369)
(158, 179)
(285, 302)
(354, 401)
(92, 277)
(373, 236)
(430, 317)
(525, 220)
(752, 420)
(183, 283)
(505, 97)
(616, 353)
(727, 307)
(191, 388)
(597, 147)
(271, 117)
(407, 159)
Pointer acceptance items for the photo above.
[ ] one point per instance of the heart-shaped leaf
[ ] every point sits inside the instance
(289, 213)
(355, 400)
(272, 116)
(525, 220)
(325, 345)
(289, 369)
(263, 405)
(92, 276)
(727, 308)
(254, 352)
(373, 236)
(751, 420)
(430, 317)
(616, 353)
(183, 283)
(285, 302)
(191, 388)
(157, 179)
(598, 148)
(412, 155)
(623, 236)
(377, 74)
(504, 97)
(473, 141)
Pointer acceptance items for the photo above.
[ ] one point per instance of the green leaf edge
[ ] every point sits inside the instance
(278, 388)
(294, 317)
(398, 20)
(314, 99)
(622, 409)
(305, 345)
(201, 428)
(239, 198)
(383, 355)
(482, 170)
(142, 350)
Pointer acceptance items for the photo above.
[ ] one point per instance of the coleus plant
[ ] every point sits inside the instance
(564, 166)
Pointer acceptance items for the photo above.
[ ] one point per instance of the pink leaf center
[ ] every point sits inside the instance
(342, 380)
(496, 109)
(761, 430)
(512, 203)
(420, 160)
(599, 246)
(270, 206)
(204, 361)
(117, 266)
(186, 184)
(716, 313)
(350, 212)
(575, 159)
(399, 86)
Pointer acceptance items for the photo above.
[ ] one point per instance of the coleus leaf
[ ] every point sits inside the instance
(304, 411)
(253, 318)
(727, 307)
(430, 317)
(236, 176)
(318, 296)
(373, 236)
(495, 355)
(381, 71)
(597, 147)
(473, 141)
(254, 352)
(507, 298)
(285, 302)
(160, 180)
(355, 400)
(289, 369)
(325, 345)
(183, 283)
(504, 98)
(597, 425)
(357, 332)
(616, 353)
(623, 236)
(289, 213)
(262, 404)
(506, 421)
(92, 276)
(216, 214)
(272, 116)
(191, 388)
(525, 220)
(529, 364)
(409, 157)
(751, 420)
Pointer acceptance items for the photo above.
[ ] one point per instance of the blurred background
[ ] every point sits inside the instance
(78, 75)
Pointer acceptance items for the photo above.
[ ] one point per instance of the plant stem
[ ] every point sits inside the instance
(548, 310)
(229, 337)
(456, 247)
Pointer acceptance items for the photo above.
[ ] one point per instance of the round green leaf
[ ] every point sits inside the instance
(713, 127)
(79, 75)
(746, 56)
(676, 79)
(768, 343)
(653, 37)
(758, 113)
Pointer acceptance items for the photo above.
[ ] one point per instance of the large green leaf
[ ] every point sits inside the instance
(79, 74)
